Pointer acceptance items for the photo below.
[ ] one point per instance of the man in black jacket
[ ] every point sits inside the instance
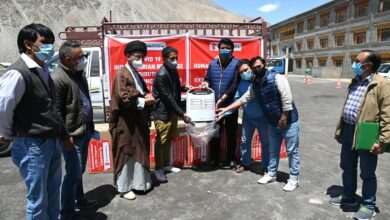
(75, 108)
(167, 93)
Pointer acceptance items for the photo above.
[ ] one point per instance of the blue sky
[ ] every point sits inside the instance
(272, 11)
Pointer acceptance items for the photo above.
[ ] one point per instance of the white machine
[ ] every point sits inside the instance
(201, 104)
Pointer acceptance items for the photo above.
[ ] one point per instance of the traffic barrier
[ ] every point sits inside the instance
(339, 85)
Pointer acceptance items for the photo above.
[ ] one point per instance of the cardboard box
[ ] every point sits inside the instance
(99, 156)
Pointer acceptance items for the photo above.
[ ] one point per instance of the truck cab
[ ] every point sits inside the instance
(276, 64)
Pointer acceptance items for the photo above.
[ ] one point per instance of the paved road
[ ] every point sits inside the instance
(223, 194)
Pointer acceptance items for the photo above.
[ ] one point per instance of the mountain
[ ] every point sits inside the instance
(58, 14)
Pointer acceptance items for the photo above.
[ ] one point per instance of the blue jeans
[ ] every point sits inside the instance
(248, 129)
(348, 163)
(72, 186)
(291, 136)
(39, 163)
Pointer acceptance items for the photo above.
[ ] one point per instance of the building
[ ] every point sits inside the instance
(330, 36)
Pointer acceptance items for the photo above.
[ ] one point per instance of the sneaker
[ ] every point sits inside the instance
(342, 200)
(266, 179)
(160, 176)
(232, 164)
(291, 185)
(241, 168)
(129, 196)
(171, 169)
(85, 204)
(364, 213)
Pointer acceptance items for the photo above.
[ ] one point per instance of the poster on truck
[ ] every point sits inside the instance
(204, 49)
(195, 54)
(153, 60)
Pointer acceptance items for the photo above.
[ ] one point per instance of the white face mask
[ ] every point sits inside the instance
(137, 64)
(174, 62)
(82, 64)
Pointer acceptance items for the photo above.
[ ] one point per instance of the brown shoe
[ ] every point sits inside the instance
(241, 168)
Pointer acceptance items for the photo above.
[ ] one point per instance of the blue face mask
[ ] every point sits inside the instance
(247, 76)
(224, 53)
(46, 51)
(357, 68)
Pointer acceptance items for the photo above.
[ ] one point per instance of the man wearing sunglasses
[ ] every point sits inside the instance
(368, 100)
(75, 108)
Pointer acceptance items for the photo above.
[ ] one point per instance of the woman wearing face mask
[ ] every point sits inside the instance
(167, 93)
(253, 118)
(129, 124)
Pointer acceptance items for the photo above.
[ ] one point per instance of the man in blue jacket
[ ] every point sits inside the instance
(222, 76)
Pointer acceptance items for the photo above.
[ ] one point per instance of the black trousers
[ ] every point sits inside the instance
(230, 124)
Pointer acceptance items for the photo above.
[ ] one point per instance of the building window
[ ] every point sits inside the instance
(300, 27)
(338, 62)
(324, 20)
(322, 62)
(324, 43)
(299, 45)
(287, 34)
(298, 64)
(384, 5)
(360, 37)
(384, 34)
(310, 43)
(341, 14)
(309, 62)
(311, 24)
(275, 35)
(361, 9)
(274, 50)
(339, 40)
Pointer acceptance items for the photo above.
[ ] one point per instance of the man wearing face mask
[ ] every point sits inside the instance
(368, 100)
(167, 93)
(273, 93)
(75, 108)
(130, 106)
(222, 76)
(28, 116)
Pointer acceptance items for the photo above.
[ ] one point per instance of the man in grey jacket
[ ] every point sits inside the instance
(75, 108)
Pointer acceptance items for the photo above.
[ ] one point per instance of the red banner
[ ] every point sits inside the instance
(204, 49)
(153, 59)
(195, 54)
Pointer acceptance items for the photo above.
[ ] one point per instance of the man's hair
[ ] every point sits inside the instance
(242, 62)
(256, 58)
(67, 47)
(373, 58)
(30, 33)
(226, 41)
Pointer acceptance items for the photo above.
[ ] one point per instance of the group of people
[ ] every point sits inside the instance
(50, 115)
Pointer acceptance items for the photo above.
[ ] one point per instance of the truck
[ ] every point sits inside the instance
(278, 64)
(102, 63)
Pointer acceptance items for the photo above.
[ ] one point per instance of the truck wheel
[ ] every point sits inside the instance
(5, 149)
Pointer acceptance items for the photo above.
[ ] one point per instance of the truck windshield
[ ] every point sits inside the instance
(274, 62)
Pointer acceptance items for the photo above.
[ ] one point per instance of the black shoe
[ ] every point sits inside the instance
(86, 204)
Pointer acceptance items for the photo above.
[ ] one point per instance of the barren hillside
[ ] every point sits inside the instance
(57, 14)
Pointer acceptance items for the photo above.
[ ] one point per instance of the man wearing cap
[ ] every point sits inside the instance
(167, 93)
(222, 76)
(129, 123)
